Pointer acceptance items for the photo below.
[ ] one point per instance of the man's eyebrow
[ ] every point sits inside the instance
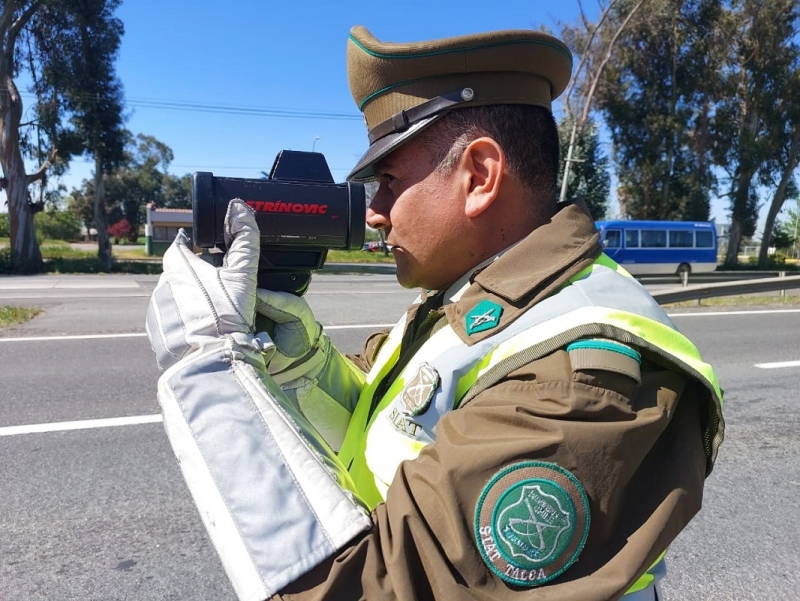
(383, 165)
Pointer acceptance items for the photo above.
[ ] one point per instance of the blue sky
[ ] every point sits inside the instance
(268, 58)
(274, 56)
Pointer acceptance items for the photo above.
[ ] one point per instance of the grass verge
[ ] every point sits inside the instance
(10, 316)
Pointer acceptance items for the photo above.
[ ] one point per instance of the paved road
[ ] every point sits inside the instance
(101, 513)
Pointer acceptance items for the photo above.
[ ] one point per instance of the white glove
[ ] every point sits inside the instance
(196, 304)
(323, 384)
(274, 498)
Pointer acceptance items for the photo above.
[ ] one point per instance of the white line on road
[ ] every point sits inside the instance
(47, 284)
(718, 313)
(86, 424)
(778, 364)
(360, 325)
(375, 325)
(142, 334)
(72, 337)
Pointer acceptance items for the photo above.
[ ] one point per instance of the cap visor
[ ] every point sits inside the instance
(385, 146)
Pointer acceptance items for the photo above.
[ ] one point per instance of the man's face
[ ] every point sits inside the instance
(422, 213)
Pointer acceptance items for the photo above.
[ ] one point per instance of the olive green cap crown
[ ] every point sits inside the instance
(403, 88)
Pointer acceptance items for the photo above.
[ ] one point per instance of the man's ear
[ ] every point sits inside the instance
(483, 164)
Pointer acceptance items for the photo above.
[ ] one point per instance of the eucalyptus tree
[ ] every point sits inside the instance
(656, 96)
(751, 130)
(589, 178)
(584, 167)
(50, 43)
(141, 176)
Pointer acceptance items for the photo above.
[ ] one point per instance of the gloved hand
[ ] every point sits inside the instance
(301, 349)
(195, 304)
(274, 498)
(323, 384)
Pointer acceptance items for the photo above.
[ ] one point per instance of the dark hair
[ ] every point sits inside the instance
(527, 133)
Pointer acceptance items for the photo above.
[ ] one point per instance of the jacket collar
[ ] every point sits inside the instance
(529, 271)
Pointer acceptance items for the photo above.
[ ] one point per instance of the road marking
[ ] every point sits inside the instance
(359, 325)
(327, 292)
(371, 325)
(142, 334)
(47, 284)
(718, 313)
(86, 424)
(778, 364)
(74, 337)
(355, 326)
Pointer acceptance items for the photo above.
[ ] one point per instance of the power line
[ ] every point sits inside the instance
(224, 109)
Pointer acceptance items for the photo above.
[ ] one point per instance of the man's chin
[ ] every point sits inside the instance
(405, 274)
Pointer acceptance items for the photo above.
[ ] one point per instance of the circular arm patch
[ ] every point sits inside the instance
(531, 522)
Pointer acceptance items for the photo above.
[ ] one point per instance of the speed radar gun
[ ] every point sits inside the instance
(301, 214)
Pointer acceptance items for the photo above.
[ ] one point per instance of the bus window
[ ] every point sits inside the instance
(631, 238)
(654, 238)
(679, 239)
(613, 239)
(704, 239)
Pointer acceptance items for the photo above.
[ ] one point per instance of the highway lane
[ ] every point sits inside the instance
(102, 513)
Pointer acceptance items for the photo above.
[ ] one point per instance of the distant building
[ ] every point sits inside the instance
(162, 226)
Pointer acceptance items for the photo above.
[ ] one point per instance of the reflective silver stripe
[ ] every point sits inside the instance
(165, 328)
(271, 498)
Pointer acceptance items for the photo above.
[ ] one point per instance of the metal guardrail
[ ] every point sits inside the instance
(710, 277)
(722, 283)
(735, 288)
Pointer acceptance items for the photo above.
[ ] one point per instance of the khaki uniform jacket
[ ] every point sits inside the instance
(636, 449)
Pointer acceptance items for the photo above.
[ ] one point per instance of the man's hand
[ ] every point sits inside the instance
(300, 348)
(195, 303)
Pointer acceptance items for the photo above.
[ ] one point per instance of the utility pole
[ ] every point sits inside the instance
(796, 218)
(568, 163)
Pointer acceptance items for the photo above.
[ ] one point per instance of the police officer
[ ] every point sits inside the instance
(534, 427)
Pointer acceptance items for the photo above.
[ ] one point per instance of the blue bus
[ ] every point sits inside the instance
(660, 247)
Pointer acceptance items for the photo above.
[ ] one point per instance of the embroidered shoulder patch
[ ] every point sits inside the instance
(419, 391)
(531, 522)
(484, 316)
(606, 355)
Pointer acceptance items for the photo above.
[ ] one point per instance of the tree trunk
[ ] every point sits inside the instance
(778, 199)
(103, 242)
(740, 195)
(673, 104)
(27, 257)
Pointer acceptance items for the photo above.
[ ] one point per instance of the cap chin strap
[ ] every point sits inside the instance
(401, 121)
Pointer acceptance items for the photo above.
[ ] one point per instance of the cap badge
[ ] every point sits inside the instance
(467, 94)
(485, 316)
(531, 522)
(419, 391)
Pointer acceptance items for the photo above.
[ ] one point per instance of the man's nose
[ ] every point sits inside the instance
(378, 211)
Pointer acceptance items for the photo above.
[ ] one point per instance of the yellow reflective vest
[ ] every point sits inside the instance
(603, 301)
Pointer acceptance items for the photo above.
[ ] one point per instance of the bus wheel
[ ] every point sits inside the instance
(684, 269)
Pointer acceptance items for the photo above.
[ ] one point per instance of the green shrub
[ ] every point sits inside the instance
(6, 261)
(774, 261)
(4, 231)
(93, 265)
(57, 225)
